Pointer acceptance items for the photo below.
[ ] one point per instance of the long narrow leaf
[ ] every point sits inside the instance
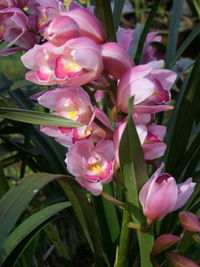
(108, 222)
(184, 45)
(85, 215)
(145, 31)
(173, 30)
(104, 13)
(15, 201)
(36, 117)
(117, 12)
(134, 175)
(186, 115)
(28, 225)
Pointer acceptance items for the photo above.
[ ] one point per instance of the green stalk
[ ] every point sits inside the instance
(122, 254)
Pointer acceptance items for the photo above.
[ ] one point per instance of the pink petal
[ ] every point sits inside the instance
(88, 24)
(161, 199)
(115, 59)
(185, 191)
(95, 188)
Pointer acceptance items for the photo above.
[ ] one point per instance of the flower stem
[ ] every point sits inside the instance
(103, 126)
(113, 200)
(122, 255)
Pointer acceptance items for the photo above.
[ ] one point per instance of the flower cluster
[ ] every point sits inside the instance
(70, 50)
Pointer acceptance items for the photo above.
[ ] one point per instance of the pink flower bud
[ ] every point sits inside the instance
(61, 29)
(163, 242)
(180, 261)
(88, 24)
(161, 195)
(115, 59)
(189, 221)
(149, 86)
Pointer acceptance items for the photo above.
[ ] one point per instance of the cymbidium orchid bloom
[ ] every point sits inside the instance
(149, 86)
(116, 60)
(77, 62)
(12, 3)
(91, 165)
(161, 195)
(44, 11)
(88, 24)
(73, 103)
(150, 136)
(14, 29)
(127, 39)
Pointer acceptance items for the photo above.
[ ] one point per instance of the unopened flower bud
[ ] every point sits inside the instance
(180, 261)
(189, 221)
(163, 242)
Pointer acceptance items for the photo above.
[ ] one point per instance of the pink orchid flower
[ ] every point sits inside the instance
(73, 103)
(75, 63)
(14, 29)
(7, 3)
(161, 195)
(43, 12)
(149, 85)
(91, 165)
(12, 3)
(127, 38)
(150, 136)
(116, 60)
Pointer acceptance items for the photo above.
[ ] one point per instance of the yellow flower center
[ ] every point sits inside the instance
(96, 167)
(72, 66)
(43, 20)
(73, 114)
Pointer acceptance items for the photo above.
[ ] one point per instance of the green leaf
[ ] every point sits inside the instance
(108, 221)
(134, 173)
(104, 14)
(145, 31)
(191, 153)
(20, 249)
(117, 12)
(14, 202)
(53, 234)
(4, 186)
(29, 225)
(184, 120)
(173, 30)
(184, 45)
(4, 83)
(86, 217)
(36, 117)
